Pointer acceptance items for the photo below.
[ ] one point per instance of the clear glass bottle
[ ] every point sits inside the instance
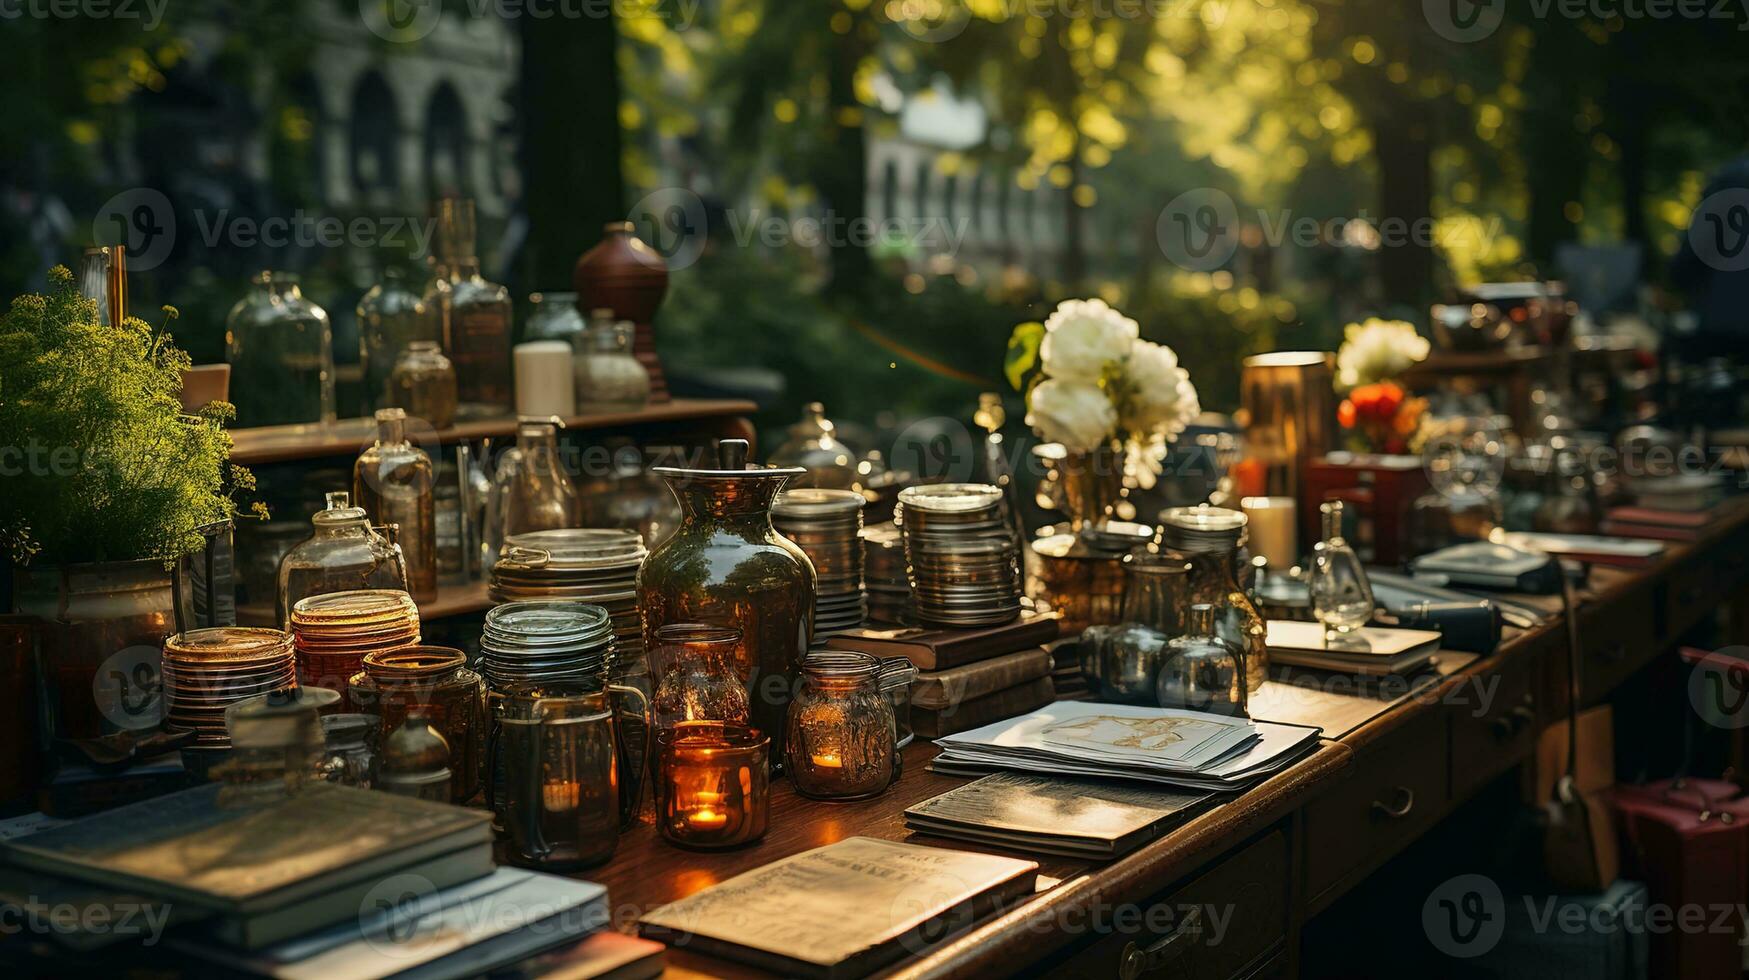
(841, 731)
(609, 378)
(477, 317)
(391, 317)
(531, 490)
(345, 554)
(1209, 539)
(1121, 662)
(1203, 672)
(1341, 595)
(394, 482)
(281, 351)
(553, 316)
(423, 384)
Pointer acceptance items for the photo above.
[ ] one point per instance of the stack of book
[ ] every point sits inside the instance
(1660, 525)
(1368, 652)
(967, 677)
(1088, 818)
(1066, 675)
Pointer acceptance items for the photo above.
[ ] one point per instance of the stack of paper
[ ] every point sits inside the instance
(1158, 745)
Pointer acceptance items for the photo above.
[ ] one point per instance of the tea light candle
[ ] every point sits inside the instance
(545, 383)
(712, 787)
(1271, 530)
(828, 760)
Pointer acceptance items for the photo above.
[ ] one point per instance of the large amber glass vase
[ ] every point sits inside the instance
(726, 565)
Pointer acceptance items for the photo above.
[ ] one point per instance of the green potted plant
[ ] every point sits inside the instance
(108, 485)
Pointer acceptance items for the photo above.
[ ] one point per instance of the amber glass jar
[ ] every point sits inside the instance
(333, 633)
(1209, 539)
(422, 383)
(344, 554)
(841, 732)
(712, 785)
(435, 682)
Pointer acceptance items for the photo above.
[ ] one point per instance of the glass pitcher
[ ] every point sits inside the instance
(281, 351)
(1209, 539)
(345, 554)
(531, 490)
(568, 788)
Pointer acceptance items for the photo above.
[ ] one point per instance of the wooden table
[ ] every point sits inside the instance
(1284, 850)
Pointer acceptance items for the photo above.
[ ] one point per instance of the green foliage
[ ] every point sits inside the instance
(1023, 347)
(100, 463)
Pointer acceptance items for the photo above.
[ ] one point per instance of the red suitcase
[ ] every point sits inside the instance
(1691, 848)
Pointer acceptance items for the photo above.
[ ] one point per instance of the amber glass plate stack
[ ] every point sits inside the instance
(206, 671)
(332, 633)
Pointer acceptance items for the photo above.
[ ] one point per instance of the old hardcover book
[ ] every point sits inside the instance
(940, 649)
(931, 723)
(1052, 815)
(937, 689)
(843, 910)
(1369, 651)
(267, 872)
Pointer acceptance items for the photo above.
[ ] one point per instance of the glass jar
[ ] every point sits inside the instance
(812, 446)
(348, 758)
(344, 554)
(281, 351)
(609, 378)
(553, 316)
(558, 771)
(1209, 540)
(415, 762)
(712, 785)
(434, 682)
(423, 384)
(1121, 662)
(333, 633)
(393, 481)
(696, 675)
(476, 316)
(391, 318)
(841, 730)
(1203, 672)
(1341, 595)
(531, 490)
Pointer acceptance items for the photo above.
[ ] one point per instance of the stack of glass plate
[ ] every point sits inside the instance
(333, 632)
(206, 671)
(825, 525)
(964, 566)
(884, 579)
(594, 565)
(544, 644)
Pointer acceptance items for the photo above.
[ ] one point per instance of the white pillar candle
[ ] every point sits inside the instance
(544, 383)
(1270, 524)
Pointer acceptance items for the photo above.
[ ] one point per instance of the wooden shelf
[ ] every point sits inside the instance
(284, 443)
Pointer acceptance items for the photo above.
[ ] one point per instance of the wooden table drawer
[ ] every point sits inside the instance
(1618, 638)
(1395, 790)
(1494, 720)
(1696, 587)
(1230, 921)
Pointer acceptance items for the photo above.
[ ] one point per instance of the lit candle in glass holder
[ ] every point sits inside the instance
(712, 788)
(841, 732)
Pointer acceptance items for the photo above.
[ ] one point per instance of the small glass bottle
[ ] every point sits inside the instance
(841, 731)
(423, 384)
(477, 317)
(343, 555)
(1341, 595)
(281, 351)
(553, 316)
(391, 318)
(393, 481)
(532, 491)
(1209, 540)
(609, 378)
(1203, 672)
(696, 675)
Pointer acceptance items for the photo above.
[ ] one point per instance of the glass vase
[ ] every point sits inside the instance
(1208, 539)
(531, 490)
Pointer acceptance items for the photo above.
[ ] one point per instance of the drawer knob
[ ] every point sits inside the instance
(1405, 802)
(1139, 961)
(1507, 726)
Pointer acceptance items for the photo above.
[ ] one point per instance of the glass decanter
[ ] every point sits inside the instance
(1202, 671)
(394, 481)
(345, 554)
(553, 316)
(531, 490)
(281, 351)
(423, 384)
(476, 316)
(1341, 596)
(608, 377)
(391, 317)
(1208, 539)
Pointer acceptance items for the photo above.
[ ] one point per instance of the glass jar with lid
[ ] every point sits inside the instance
(434, 682)
(609, 378)
(813, 446)
(391, 318)
(553, 316)
(1209, 540)
(840, 736)
(422, 383)
(344, 554)
(531, 490)
(394, 481)
(281, 351)
(696, 675)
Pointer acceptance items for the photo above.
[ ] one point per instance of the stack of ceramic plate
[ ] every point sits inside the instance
(206, 671)
(825, 525)
(594, 565)
(541, 644)
(333, 632)
(964, 566)
(884, 578)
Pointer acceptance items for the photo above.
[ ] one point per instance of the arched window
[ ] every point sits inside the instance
(446, 144)
(375, 129)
